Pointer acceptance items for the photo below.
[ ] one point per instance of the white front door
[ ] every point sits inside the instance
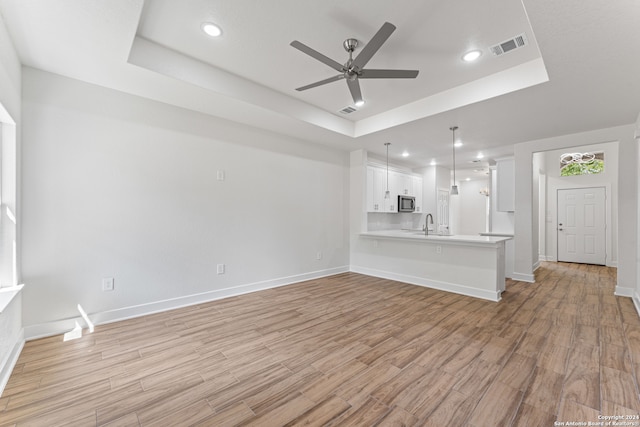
(582, 225)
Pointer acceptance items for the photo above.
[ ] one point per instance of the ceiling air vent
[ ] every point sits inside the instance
(509, 45)
(347, 110)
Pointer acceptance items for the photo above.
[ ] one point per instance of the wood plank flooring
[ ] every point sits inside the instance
(348, 350)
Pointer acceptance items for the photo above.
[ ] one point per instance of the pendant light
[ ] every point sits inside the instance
(454, 187)
(387, 195)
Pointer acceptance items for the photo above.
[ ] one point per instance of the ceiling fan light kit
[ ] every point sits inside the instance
(353, 69)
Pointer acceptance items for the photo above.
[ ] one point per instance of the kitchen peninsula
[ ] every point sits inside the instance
(468, 265)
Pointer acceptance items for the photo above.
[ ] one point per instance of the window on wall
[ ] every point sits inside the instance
(8, 222)
(572, 164)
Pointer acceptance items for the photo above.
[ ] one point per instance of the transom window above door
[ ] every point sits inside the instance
(572, 164)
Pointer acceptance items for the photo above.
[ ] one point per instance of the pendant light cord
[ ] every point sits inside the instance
(453, 147)
(387, 144)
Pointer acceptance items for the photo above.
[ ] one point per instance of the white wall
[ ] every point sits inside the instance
(627, 204)
(535, 210)
(636, 294)
(120, 186)
(10, 74)
(472, 207)
(539, 192)
(608, 179)
(435, 178)
(430, 191)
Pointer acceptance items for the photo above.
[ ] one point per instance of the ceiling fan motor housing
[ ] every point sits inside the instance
(350, 72)
(350, 45)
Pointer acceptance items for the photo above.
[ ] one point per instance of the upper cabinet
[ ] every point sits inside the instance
(399, 183)
(404, 184)
(376, 186)
(506, 189)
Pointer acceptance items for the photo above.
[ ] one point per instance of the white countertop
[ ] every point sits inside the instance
(416, 235)
(497, 234)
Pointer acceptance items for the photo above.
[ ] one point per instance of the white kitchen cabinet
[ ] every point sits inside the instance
(370, 191)
(376, 187)
(391, 203)
(404, 184)
(506, 189)
(399, 184)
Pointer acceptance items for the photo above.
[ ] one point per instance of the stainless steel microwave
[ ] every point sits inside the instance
(406, 203)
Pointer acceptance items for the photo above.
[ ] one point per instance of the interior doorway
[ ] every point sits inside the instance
(549, 180)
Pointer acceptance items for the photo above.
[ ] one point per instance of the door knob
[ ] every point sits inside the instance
(560, 229)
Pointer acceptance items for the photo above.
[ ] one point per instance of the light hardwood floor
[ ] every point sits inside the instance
(348, 350)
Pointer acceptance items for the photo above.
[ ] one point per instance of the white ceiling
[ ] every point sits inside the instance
(256, 41)
(579, 71)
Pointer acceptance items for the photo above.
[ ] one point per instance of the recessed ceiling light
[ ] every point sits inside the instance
(468, 179)
(471, 56)
(405, 154)
(359, 103)
(211, 29)
(458, 144)
(479, 156)
(433, 162)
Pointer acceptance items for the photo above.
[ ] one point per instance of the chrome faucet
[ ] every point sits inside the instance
(428, 220)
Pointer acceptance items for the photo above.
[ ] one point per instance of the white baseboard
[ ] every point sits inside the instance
(12, 359)
(523, 277)
(624, 292)
(420, 281)
(62, 326)
(636, 301)
(536, 265)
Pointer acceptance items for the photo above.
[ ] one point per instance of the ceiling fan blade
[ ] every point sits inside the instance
(354, 88)
(374, 44)
(321, 82)
(388, 74)
(317, 55)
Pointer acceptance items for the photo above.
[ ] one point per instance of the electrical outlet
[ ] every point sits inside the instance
(220, 269)
(375, 243)
(319, 255)
(107, 284)
(220, 175)
(438, 249)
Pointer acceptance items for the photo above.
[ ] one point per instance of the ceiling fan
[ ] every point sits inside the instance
(353, 69)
